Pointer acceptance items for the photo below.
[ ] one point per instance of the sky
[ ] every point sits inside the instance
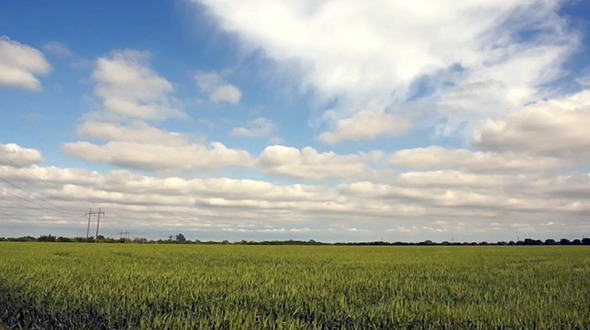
(330, 120)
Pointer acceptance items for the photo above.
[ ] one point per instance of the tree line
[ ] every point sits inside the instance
(181, 239)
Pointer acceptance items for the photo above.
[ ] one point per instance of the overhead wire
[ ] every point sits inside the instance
(35, 196)
(18, 198)
(63, 211)
(32, 175)
(20, 167)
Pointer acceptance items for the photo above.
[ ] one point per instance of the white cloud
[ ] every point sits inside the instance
(370, 55)
(259, 127)
(308, 164)
(129, 88)
(554, 128)
(366, 126)
(217, 88)
(136, 131)
(20, 65)
(226, 93)
(439, 158)
(58, 49)
(507, 79)
(133, 93)
(423, 202)
(14, 155)
(138, 145)
(159, 157)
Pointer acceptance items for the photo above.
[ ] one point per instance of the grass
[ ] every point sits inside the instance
(110, 286)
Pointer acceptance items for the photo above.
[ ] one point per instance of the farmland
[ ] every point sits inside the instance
(71, 285)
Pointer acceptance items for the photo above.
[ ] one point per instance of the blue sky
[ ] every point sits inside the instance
(327, 120)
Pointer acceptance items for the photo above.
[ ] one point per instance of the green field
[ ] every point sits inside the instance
(110, 286)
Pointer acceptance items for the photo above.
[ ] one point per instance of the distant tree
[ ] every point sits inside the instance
(576, 242)
(550, 242)
(502, 243)
(528, 241)
(564, 241)
(64, 239)
(180, 238)
(484, 243)
(46, 238)
(511, 243)
(586, 241)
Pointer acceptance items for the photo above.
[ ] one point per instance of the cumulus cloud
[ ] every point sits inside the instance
(439, 158)
(14, 155)
(553, 128)
(132, 95)
(139, 145)
(217, 88)
(129, 88)
(259, 127)
(372, 55)
(159, 157)
(366, 126)
(135, 131)
(20, 65)
(309, 164)
(424, 203)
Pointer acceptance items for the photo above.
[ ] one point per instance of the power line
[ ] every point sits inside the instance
(37, 197)
(22, 202)
(16, 196)
(61, 209)
(32, 205)
(32, 175)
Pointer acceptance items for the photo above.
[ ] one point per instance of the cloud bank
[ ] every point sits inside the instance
(435, 203)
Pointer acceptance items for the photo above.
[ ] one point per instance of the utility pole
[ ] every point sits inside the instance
(97, 224)
(90, 214)
(88, 228)
(126, 233)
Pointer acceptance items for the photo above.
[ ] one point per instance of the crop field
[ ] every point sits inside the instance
(113, 286)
